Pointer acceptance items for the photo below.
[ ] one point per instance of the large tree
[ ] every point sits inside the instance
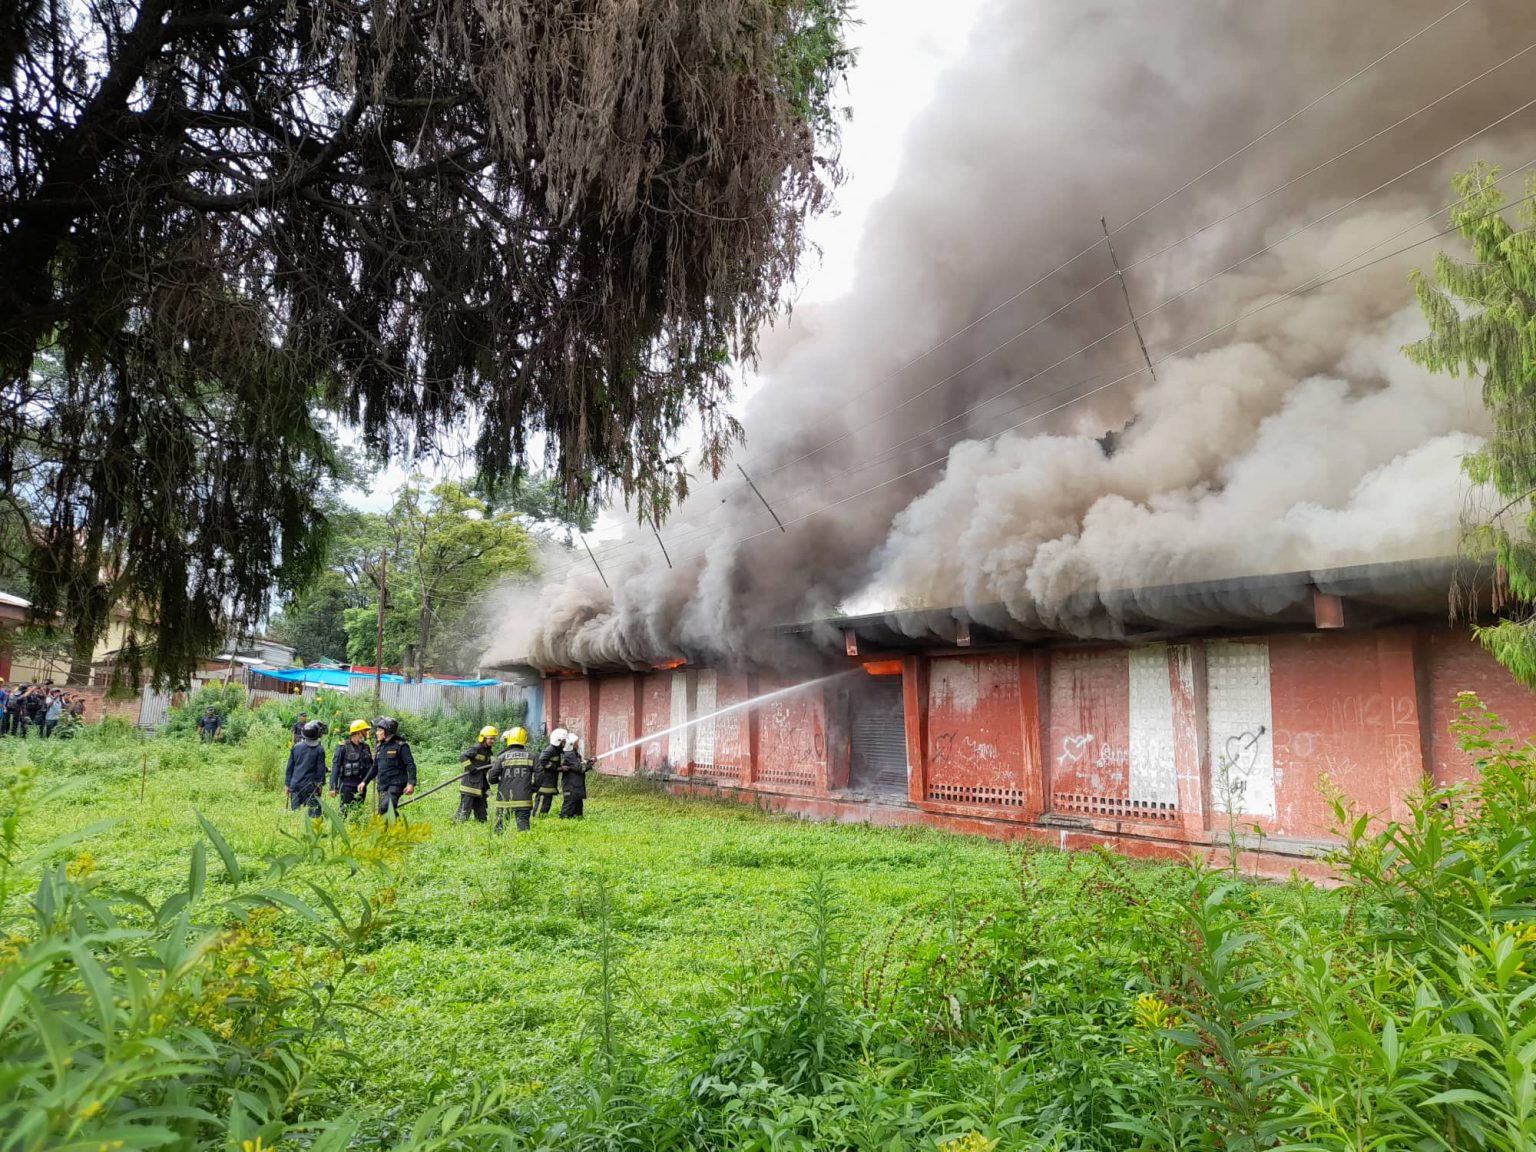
(553, 217)
(1482, 322)
(438, 552)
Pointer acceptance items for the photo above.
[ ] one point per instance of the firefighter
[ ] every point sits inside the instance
(394, 766)
(352, 766)
(305, 774)
(549, 772)
(475, 762)
(573, 779)
(513, 774)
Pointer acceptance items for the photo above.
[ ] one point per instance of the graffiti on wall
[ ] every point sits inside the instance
(1239, 724)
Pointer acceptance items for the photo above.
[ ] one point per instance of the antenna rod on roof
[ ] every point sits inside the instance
(766, 505)
(595, 564)
(1126, 292)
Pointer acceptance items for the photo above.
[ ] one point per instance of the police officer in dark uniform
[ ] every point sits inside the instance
(573, 779)
(547, 779)
(394, 766)
(352, 766)
(474, 763)
(305, 774)
(513, 774)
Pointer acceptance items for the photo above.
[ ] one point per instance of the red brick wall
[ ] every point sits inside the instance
(1454, 663)
(732, 730)
(1121, 740)
(1345, 709)
(655, 717)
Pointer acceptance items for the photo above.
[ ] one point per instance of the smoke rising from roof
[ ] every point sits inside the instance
(1298, 438)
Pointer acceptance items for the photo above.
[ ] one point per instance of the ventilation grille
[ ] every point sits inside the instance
(717, 771)
(1114, 807)
(975, 794)
(800, 777)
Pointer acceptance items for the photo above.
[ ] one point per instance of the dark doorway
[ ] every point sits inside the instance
(879, 763)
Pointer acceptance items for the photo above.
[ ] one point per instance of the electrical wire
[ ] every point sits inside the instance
(1316, 101)
(1328, 276)
(971, 409)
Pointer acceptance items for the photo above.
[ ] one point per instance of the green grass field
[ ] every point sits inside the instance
(681, 973)
(488, 959)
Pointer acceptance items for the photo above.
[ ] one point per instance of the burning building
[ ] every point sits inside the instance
(1277, 694)
(1094, 591)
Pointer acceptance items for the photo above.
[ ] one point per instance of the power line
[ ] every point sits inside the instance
(820, 483)
(1315, 102)
(1321, 280)
(1131, 325)
(1188, 184)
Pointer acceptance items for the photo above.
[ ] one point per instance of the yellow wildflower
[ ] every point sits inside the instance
(1151, 1013)
(970, 1142)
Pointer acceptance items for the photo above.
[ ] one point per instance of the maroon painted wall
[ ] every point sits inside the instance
(1168, 745)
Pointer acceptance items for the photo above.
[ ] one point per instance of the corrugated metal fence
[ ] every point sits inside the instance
(422, 699)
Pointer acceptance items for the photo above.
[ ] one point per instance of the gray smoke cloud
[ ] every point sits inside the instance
(1299, 438)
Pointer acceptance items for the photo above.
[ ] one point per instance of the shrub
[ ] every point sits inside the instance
(184, 1022)
(263, 757)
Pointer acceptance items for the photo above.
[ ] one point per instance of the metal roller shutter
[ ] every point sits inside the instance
(879, 741)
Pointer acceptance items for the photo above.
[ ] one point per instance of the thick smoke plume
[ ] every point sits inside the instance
(1296, 439)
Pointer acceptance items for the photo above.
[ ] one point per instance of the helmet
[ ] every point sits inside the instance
(557, 737)
(388, 725)
(357, 726)
(516, 736)
(313, 730)
(489, 733)
(572, 741)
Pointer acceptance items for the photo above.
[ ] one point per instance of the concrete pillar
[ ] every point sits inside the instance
(1186, 676)
(1032, 772)
(914, 689)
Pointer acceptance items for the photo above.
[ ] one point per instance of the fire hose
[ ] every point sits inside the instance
(588, 766)
(437, 787)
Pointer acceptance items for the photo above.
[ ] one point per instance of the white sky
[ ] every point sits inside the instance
(903, 47)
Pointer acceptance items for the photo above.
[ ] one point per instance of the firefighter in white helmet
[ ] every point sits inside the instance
(573, 779)
(549, 772)
(474, 762)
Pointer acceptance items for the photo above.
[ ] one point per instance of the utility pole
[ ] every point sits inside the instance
(761, 497)
(1126, 292)
(656, 530)
(593, 558)
(378, 651)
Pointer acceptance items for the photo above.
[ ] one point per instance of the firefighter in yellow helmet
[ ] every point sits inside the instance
(513, 774)
(475, 761)
(352, 765)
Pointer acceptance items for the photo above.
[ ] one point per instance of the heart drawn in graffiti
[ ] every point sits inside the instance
(1073, 749)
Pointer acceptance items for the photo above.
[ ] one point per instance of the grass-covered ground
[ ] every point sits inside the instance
(200, 968)
(489, 955)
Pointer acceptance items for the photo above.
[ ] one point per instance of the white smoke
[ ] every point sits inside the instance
(1298, 439)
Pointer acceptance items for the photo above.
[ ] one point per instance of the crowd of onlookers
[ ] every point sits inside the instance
(25, 707)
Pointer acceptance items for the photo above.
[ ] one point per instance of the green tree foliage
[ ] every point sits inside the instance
(314, 622)
(227, 218)
(172, 457)
(445, 547)
(1482, 321)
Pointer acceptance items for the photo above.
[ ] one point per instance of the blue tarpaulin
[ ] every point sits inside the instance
(339, 678)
